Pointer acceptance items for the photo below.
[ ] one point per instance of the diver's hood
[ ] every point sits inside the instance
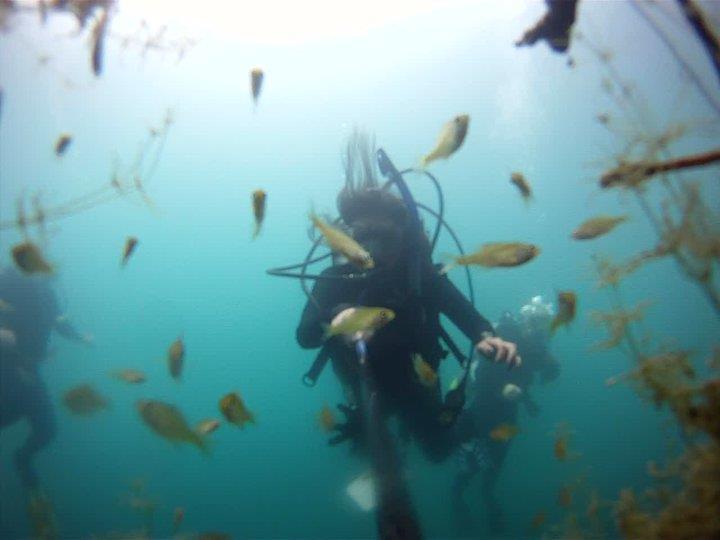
(371, 204)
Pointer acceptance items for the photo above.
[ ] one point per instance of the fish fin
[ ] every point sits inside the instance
(327, 331)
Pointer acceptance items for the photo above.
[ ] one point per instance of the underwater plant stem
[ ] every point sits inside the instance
(695, 17)
(689, 71)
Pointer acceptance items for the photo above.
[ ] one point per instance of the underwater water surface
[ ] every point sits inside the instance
(399, 71)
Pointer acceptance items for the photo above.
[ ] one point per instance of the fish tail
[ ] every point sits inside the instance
(449, 266)
(202, 443)
(256, 232)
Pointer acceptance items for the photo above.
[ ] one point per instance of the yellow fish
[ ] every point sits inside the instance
(451, 138)
(206, 427)
(344, 244)
(326, 419)
(167, 421)
(426, 374)
(131, 376)
(235, 411)
(519, 180)
(567, 302)
(597, 226)
(29, 259)
(175, 356)
(84, 400)
(258, 201)
(359, 322)
(504, 432)
(497, 254)
(62, 144)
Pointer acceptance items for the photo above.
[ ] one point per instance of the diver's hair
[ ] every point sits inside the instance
(359, 161)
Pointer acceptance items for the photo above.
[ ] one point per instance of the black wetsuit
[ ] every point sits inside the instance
(415, 329)
(31, 315)
(487, 409)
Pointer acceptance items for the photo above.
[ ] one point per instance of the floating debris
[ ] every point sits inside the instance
(565, 496)
(597, 226)
(259, 198)
(62, 144)
(504, 432)
(130, 245)
(343, 244)
(567, 305)
(424, 371)
(497, 255)
(256, 81)
(539, 520)
(167, 421)
(175, 357)
(518, 179)
(84, 400)
(234, 410)
(451, 138)
(360, 322)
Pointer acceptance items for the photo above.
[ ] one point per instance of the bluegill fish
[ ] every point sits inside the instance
(259, 197)
(168, 422)
(497, 254)
(597, 226)
(451, 138)
(343, 244)
(359, 322)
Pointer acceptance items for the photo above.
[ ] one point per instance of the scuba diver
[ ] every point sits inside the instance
(495, 398)
(381, 223)
(28, 313)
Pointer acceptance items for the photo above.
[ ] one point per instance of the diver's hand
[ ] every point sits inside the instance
(351, 429)
(7, 338)
(503, 351)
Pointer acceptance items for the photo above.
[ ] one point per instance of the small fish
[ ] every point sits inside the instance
(597, 226)
(326, 419)
(357, 323)
(451, 138)
(205, 427)
(235, 411)
(343, 244)
(213, 536)
(603, 118)
(98, 37)
(62, 143)
(567, 304)
(84, 400)
(130, 245)
(178, 516)
(519, 180)
(6, 307)
(258, 202)
(538, 520)
(497, 254)
(564, 498)
(256, 80)
(175, 357)
(426, 374)
(130, 376)
(511, 392)
(504, 432)
(168, 422)
(29, 259)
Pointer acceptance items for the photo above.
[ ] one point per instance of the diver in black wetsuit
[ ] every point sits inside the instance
(379, 221)
(28, 314)
(495, 398)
